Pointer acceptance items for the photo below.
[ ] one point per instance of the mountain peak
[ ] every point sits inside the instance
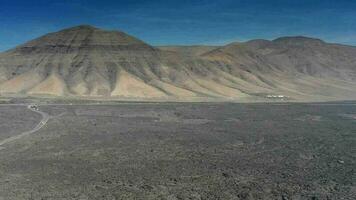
(83, 27)
(258, 43)
(298, 40)
(83, 36)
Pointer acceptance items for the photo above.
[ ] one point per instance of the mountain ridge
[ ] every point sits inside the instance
(88, 62)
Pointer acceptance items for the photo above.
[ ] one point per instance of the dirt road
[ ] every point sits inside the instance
(44, 120)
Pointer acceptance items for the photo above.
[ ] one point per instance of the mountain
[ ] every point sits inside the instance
(299, 67)
(196, 50)
(87, 62)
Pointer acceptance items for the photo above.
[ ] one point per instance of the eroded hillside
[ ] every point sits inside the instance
(85, 61)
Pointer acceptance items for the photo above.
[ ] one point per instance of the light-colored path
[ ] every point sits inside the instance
(44, 120)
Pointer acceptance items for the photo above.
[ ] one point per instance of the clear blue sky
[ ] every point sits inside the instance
(184, 22)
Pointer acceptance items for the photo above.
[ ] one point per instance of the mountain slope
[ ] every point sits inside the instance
(85, 61)
(188, 50)
(299, 67)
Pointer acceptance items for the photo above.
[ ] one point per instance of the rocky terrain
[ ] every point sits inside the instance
(87, 62)
(172, 151)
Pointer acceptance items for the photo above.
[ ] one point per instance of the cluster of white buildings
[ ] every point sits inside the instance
(275, 96)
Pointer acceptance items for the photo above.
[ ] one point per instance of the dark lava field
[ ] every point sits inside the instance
(178, 151)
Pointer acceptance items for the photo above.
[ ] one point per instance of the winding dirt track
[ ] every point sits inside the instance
(44, 120)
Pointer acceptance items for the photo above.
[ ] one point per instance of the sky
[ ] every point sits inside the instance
(182, 22)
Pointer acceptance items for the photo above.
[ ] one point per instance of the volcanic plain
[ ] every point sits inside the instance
(177, 151)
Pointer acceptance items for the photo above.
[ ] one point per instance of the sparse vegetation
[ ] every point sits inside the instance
(181, 151)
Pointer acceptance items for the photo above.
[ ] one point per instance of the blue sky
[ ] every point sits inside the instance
(184, 22)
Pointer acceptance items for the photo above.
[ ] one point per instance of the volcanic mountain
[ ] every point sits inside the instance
(87, 62)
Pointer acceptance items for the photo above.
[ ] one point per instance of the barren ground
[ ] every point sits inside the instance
(180, 151)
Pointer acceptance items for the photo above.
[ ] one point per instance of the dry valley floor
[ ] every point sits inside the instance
(179, 151)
